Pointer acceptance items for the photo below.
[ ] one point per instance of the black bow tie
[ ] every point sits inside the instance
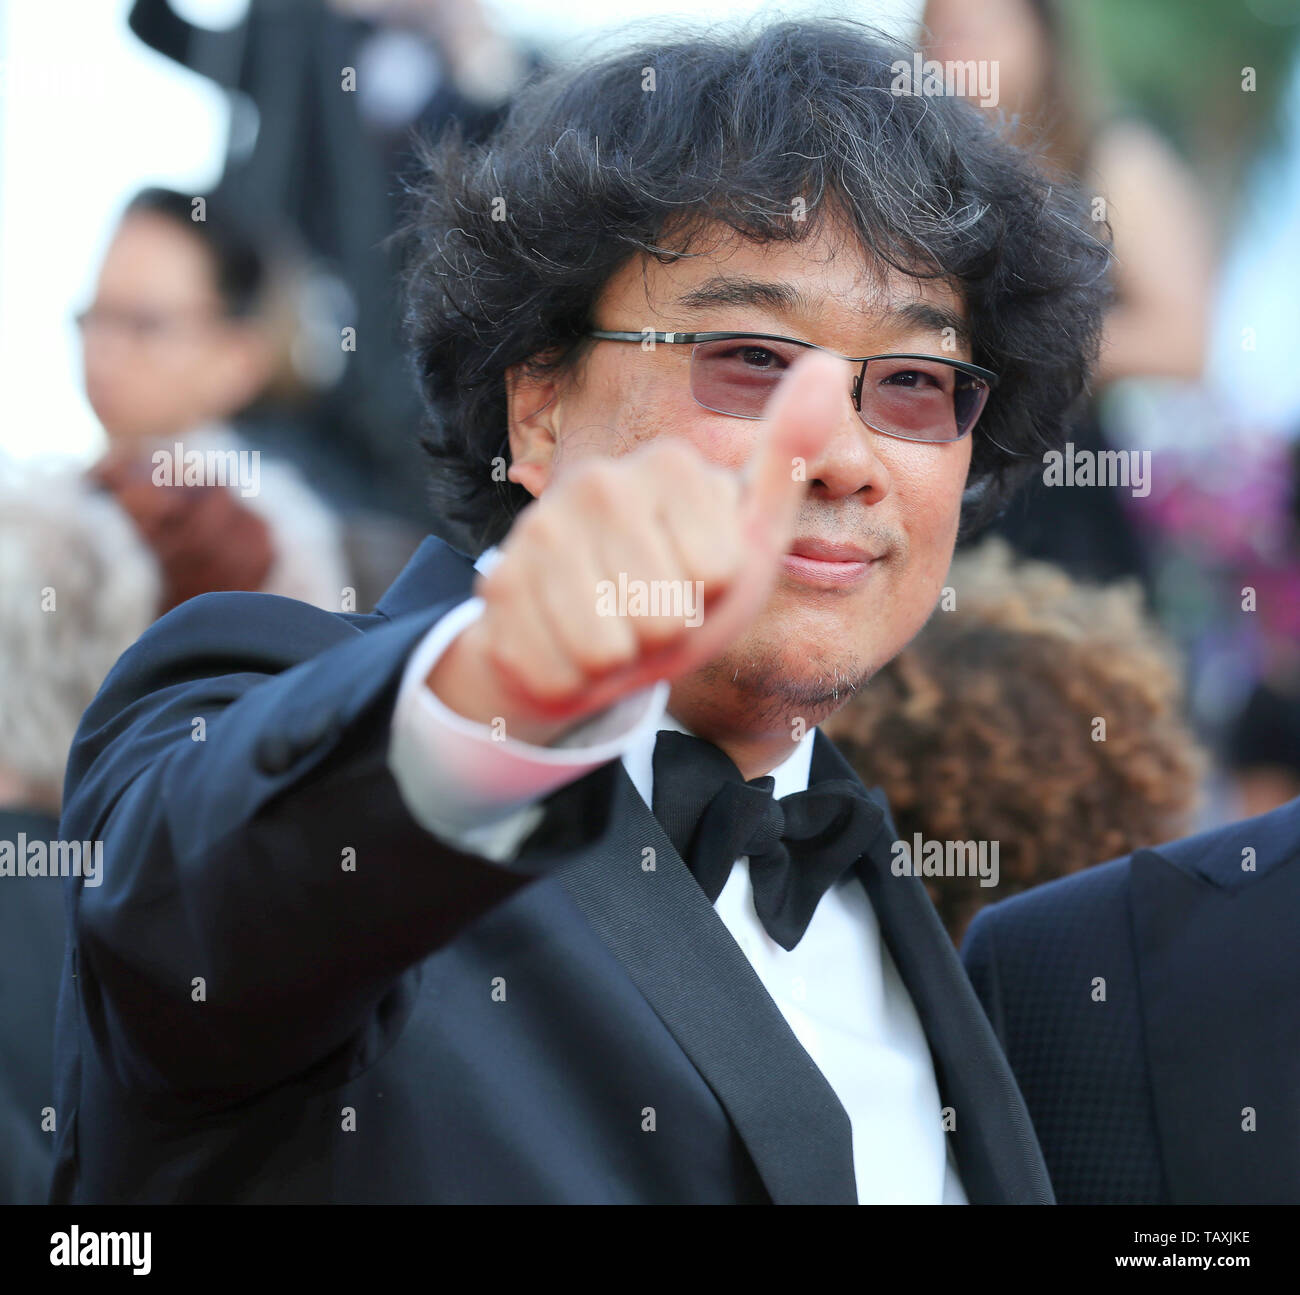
(798, 846)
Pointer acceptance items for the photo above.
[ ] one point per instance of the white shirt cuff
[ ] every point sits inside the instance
(479, 790)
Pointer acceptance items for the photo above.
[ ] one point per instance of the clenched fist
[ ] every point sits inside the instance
(543, 656)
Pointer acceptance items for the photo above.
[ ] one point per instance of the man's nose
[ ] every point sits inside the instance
(106, 347)
(848, 462)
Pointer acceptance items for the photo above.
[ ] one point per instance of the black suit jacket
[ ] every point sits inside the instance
(1141, 1098)
(31, 953)
(242, 1019)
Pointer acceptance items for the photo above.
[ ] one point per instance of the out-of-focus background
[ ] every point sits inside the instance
(195, 197)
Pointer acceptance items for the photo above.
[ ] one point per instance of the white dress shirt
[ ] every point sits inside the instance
(838, 988)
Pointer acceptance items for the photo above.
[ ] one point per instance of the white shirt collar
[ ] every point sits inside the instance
(487, 560)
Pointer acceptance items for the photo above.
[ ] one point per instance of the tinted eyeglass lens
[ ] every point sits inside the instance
(916, 399)
(739, 375)
(921, 400)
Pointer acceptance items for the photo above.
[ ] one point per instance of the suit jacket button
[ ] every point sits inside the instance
(274, 754)
(322, 726)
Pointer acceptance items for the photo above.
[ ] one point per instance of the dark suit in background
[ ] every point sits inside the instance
(31, 956)
(1140, 1098)
(350, 1046)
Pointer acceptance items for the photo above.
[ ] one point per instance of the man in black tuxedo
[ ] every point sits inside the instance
(541, 884)
(1150, 1008)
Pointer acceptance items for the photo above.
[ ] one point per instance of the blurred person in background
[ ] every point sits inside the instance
(1224, 519)
(984, 728)
(1263, 742)
(1264, 749)
(185, 332)
(77, 587)
(325, 99)
(1162, 273)
(1150, 1008)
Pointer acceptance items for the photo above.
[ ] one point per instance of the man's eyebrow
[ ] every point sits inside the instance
(923, 314)
(725, 290)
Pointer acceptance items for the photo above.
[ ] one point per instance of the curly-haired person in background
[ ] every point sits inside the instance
(986, 728)
(1149, 1005)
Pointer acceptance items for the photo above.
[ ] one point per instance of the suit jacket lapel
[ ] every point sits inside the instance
(677, 951)
(1215, 1048)
(634, 889)
(996, 1149)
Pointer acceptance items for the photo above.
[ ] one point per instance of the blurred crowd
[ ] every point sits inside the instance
(238, 459)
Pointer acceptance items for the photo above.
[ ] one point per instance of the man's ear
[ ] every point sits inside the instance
(532, 409)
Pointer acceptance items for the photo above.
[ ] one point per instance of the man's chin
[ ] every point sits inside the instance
(777, 685)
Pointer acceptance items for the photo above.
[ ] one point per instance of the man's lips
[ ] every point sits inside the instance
(828, 564)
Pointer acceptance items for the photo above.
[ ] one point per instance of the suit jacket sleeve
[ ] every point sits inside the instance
(265, 892)
(979, 956)
(481, 789)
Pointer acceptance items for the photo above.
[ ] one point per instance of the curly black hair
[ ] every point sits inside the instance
(511, 241)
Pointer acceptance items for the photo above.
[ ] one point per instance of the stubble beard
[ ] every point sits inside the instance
(759, 687)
